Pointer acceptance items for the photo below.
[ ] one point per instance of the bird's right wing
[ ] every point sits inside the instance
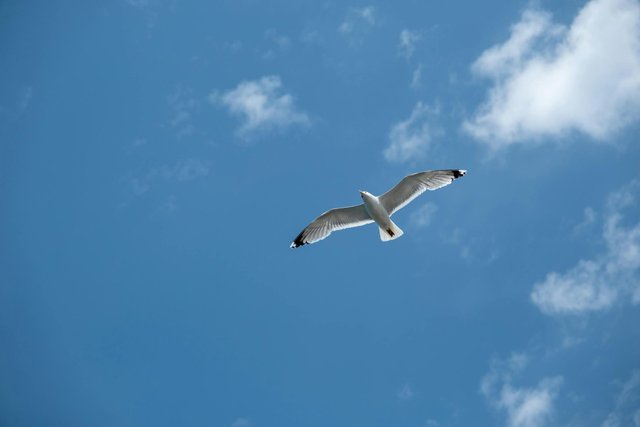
(335, 219)
(414, 185)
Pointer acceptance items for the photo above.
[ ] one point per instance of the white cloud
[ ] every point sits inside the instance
(410, 139)
(262, 106)
(597, 284)
(529, 407)
(408, 40)
(524, 407)
(357, 24)
(510, 57)
(422, 216)
(549, 80)
(581, 289)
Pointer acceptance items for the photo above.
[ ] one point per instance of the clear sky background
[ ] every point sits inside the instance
(158, 157)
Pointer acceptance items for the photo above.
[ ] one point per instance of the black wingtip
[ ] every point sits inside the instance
(457, 173)
(297, 242)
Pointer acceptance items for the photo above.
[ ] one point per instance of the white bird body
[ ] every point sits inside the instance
(377, 209)
(377, 212)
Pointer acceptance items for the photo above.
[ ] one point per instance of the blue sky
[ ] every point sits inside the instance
(158, 157)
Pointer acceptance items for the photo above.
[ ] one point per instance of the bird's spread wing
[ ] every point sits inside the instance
(335, 219)
(414, 185)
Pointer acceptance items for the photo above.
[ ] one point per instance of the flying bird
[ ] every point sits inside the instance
(377, 209)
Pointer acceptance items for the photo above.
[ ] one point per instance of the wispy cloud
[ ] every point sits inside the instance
(141, 4)
(597, 284)
(626, 411)
(357, 24)
(408, 41)
(524, 406)
(410, 139)
(20, 104)
(405, 393)
(311, 36)
(422, 216)
(589, 219)
(179, 172)
(416, 77)
(550, 80)
(139, 142)
(170, 204)
(277, 43)
(262, 106)
(280, 40)
(182, 103)
(185, 170)
(149, 9)
(469, 247)
(241, 422)
(25, 99)
(234, 46)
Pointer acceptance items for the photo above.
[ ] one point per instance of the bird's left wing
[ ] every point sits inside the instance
(414, 185)
(332, 220)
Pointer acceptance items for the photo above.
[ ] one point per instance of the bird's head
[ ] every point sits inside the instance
(363, 193)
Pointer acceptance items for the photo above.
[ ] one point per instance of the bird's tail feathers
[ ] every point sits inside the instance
(391, 233)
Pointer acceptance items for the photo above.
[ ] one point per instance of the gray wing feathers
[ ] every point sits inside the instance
(332, 220)
(414, 185)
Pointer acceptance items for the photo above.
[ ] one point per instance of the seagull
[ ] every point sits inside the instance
(377, 209)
